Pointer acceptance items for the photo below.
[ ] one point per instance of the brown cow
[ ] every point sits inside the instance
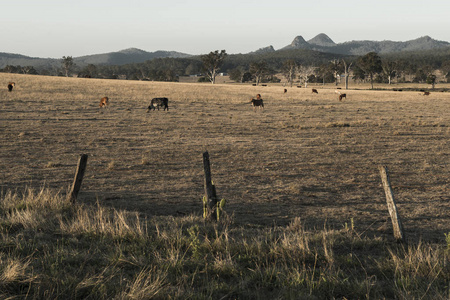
(257, 102)
(314, 91)
(341, 96)
(285, 91)
(426, 93)
(11, 85)
(104, 101)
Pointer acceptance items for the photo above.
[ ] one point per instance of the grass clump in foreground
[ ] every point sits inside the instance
(50, 249)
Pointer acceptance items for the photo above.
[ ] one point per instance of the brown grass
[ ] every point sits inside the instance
(307, 155)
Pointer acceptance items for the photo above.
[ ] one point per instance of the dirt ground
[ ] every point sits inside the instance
(306, 155)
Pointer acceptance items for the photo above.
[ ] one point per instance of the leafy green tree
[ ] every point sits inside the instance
(67, 64)
(236, 74)
(89, 71)
(431, 79)
(212, 63)
(259, 70)
(420, 76)
(370, 64)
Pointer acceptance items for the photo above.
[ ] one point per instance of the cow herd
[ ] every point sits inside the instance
(163, 102)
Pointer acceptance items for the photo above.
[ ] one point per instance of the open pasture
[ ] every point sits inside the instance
(306, 155)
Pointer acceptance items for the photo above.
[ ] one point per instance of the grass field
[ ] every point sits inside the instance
(306, 155)
(306, 159)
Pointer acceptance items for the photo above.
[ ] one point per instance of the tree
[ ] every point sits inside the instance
(305, 73)
(389, 69)
(370, 64)
(336, 68)
(431, 79)
(212, 63)
(259, 70)
(288, 70)
(67, 64)
(347, 67)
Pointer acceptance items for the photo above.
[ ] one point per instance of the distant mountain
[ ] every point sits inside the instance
(322, 40)
(268, 49)
(320, 44)
(323, 43)
(127, 56)
(298, 43)
(22, 60)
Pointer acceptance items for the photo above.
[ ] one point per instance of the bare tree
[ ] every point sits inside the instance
(389, 69)
(347, 67)
(336, 67)
(305, 72)
(212, 63)
(289, 69)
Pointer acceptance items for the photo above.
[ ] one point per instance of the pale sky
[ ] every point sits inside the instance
(56, 28)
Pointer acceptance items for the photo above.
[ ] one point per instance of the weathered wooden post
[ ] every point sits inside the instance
(78, 178)
(210, 190)
(392, 207)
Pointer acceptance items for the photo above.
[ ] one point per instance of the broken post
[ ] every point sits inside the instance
(392, 207)
(78, 178)
(210, 190)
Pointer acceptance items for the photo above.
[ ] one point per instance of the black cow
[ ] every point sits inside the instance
(10, 86)
(163, 102)
(257, 102)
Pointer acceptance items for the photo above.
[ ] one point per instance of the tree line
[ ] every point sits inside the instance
(299, 67)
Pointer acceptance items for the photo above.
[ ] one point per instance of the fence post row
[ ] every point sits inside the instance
(392, 207)
(78, 178)
(210, 189)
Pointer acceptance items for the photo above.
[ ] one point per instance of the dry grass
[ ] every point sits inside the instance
(307, 155)
(92, 252)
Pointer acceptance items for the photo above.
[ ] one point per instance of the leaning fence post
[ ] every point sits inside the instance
(396, 222)
(78, 178)
(210, 190)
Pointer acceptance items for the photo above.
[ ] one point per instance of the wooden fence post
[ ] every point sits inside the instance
(78, 178)
(392, 207)
(210, 190)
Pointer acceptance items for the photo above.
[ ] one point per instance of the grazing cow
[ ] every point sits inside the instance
(314, 91)
(341, 96)
(299, 86)
(257, 102)
(163, 102)
(104, 102)
(285, 91)
(11, 85)
(426, 93)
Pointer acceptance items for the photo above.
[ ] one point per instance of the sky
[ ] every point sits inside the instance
(56, 28)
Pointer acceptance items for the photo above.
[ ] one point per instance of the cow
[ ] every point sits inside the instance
(341, 96)
(257, 102)
(104, 102)
(426, 93)
(285, 91)
(11, 85)
(163, 102)
(314, 91)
